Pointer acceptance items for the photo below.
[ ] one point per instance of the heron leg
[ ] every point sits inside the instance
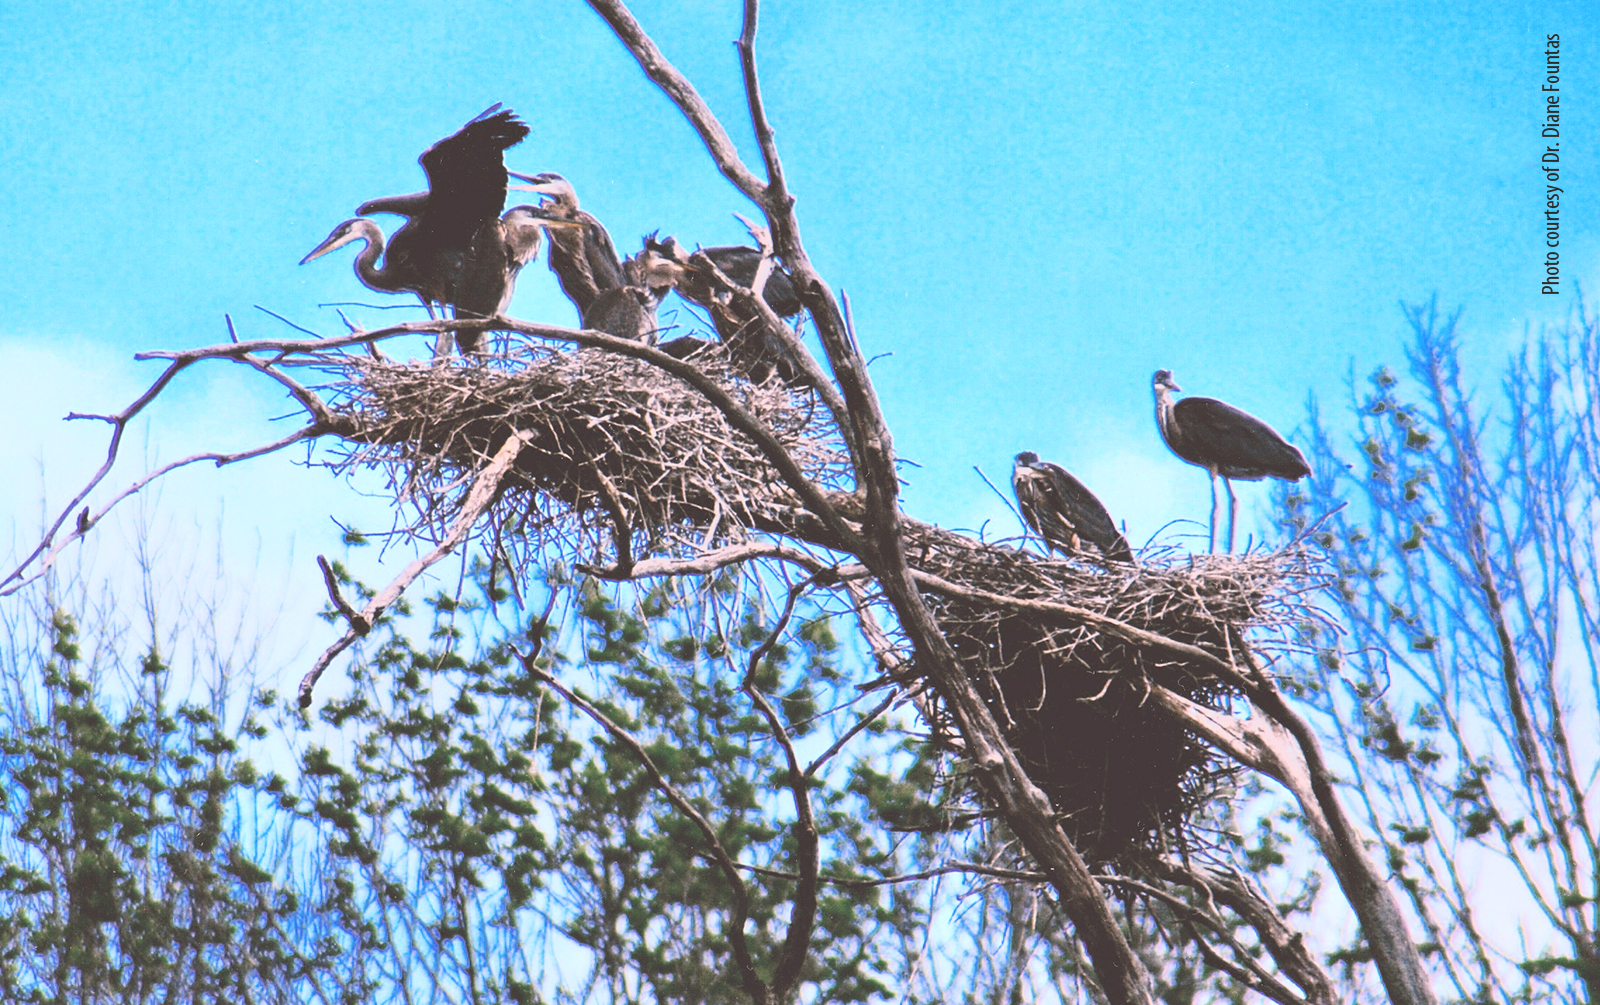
(1233, 511)
(1211, 546)
(445, 342)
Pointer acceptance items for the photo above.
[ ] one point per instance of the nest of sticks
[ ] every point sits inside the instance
(620, 450)
(1072, 697)
(626, 456)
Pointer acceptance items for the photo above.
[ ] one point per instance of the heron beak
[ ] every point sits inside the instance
(338, 239)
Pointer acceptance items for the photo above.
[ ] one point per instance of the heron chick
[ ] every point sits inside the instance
(1063, 511)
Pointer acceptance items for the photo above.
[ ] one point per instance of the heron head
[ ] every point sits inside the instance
(1027, 459)
(538, 216)
(348, 231)
(653, 267)
(546, 183)
(667, 247)
(1163, 381)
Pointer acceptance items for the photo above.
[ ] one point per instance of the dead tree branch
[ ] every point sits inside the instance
(478, 499)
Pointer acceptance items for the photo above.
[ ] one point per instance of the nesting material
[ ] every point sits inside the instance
(612, 437)
(621, 443)
(1072, 697)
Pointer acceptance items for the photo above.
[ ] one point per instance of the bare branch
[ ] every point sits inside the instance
(953, 868)
(683, 94)
(753, 985)
(720, 558)
(777, 191)
(849, 734)
(802, 918)
(351, 617)
(18, 578)
(478, 499)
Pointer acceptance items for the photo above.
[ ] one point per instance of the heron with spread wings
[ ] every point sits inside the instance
(455, 251)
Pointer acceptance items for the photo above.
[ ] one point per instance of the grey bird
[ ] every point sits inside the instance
(1228, 442)
(582, 257)
(429, 255)
(1060, 509)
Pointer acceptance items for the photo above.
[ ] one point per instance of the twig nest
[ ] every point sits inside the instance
(609, 432)
(1071, 697)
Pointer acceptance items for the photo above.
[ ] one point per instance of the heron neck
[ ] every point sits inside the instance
(366, 264)
(1164, 407)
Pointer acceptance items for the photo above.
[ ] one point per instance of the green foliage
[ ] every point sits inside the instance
(476, 815)
(120, 880)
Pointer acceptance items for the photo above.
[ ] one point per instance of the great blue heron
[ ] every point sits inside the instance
(739, 263)
(1226, 441)
(583, 258)
(753, 343)
(488, 274)
(448, 226)
(1060, 509)
(497, 255)
(385, 279)
(629, 311)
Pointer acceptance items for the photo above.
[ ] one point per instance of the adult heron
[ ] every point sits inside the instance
(1228, 442)
(456, 219)
(1063, 511)
(489, 264)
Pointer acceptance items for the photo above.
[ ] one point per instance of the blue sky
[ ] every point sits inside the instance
(1030, 206)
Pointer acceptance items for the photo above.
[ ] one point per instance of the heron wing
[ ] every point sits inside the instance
(1236, 443)
(1085, 512)
(740, 263)
(467, 173)
(1042, 507)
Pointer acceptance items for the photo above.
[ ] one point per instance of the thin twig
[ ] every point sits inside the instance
(478, 499)
(753, 984)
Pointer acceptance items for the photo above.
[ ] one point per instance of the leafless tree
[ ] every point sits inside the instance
(1461, 687)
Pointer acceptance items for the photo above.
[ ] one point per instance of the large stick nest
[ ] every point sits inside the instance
(619, 443)
(1072, 697)
(616, 442)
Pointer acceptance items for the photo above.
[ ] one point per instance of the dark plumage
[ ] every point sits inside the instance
(1060, 509)
(451, 228)
(739, 263)
(755, 347)
(1226, 441)
(582, 257)
(495, 258)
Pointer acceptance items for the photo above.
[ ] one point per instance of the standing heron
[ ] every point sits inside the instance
(451, 228)
(1226, 441)
(1060, 509)
(488, 274)
(582, 257)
